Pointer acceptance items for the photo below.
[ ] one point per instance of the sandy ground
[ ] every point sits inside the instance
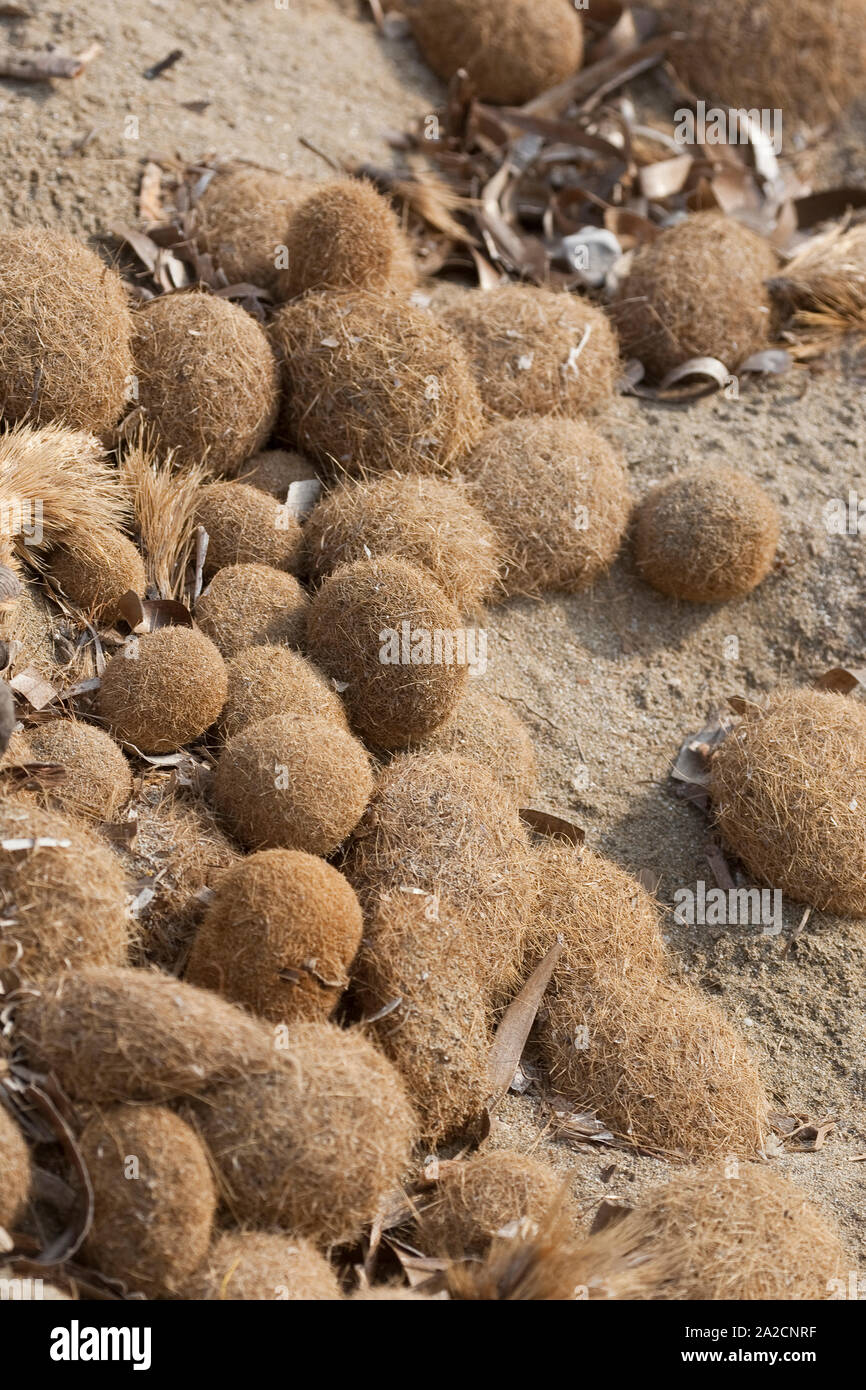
(608, 682)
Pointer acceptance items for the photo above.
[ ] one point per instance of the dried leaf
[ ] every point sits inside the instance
(150, 208)
(515, 1026)
(37, 691)
(841, 679)
(150, 614)
(557, 827)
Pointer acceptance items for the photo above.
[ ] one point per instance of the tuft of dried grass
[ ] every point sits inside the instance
(163, 500)
(526, 1265)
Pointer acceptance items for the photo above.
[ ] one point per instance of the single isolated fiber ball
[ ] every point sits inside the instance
(279, 937)
(477, 1199)
(244, 215)
(317, 1145)
(485, 730)
(706, 535)
(696, 291)
(557, 496)
(252, 605)
(260, 1265)
(207, 380)
(98, 780)
(430, 522)
(63, 895)
(245, 527)
(14, 1170)
(153, 1198)
(371, 384)
(345, 236)
(788, 786)
(512, 49)
(292, 783)
(98, 579)
(535, 351)
(274, 680)
(65, 332)
(274, 471)
(387, 633)
(163, 689)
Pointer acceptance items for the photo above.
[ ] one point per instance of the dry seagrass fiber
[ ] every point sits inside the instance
(698, 290)
(246, 1266)
(246, 527)
(270, 680)
(208, 383)
(706, 536)
(345, 236)
(788, 787)
(371, 384)
(535, 351)
(279, 936)
(557, 496)
(97, 580)
(484, 729)
(163, 689)
(252, 605)
(14, 1170)
(98, 778)
(243, 216)
(483, 1197)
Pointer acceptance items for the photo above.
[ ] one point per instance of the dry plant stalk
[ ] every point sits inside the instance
(163, 500)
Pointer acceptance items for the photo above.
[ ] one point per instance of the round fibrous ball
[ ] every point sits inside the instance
(252, 605)
(14, 1170)
(535, 351)
(484, 729)
(429, 522)
(208, 384)
(113, 1034)
(260, 1265)
(493, 1194)
(345, 236)
(738, 1232)
(386, 632)
(274, 471)
(314, 1147)
(153, 1198)
(371, 384)
(245, 527)
(279, 937)
(788, 786)
(98, 779)
(557, 496)
(63, 895)
(288, 782)
(163, 689)
(244, 215)
(274, 680)
(739, 55)
(512, 49)
(707, 536)
(697, 290)
(97, 580)
(65, 332)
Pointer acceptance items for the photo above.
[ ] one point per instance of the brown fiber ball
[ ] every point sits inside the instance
(244, 215)
(114, 1034)
(153, 1198)
(557, 496)
(316, 1146)
(345, 236)
(788, 786)
(492, 1194)
(14, 1170)
(252, 605)
(739, 54)
(512, 49)
(706, 535)
(485, 730)
(208, 383)
(371, 384)
(696, 291)
(279, 937)
(274, 471)
(98, 581)
(535, 351)
(255, 1266)
(429, 522)
(63, 898)
(292, 783)
(163, 689)
(386, 632)
(273, 680)
(65, 332)
(98, 779)
(245, 527)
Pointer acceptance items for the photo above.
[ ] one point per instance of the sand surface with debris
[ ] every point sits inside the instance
(609, 682)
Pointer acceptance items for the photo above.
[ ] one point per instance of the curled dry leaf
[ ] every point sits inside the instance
(556, 827)
(150, 614)
(515, 1027)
